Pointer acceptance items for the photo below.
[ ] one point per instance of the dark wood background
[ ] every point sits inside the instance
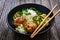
(8, 34)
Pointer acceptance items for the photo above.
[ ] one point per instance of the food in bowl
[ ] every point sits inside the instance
(28, 19)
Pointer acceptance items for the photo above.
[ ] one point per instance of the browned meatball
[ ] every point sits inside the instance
(30, 27)
(19, 20)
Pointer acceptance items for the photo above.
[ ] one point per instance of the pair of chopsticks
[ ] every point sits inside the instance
(41, 26)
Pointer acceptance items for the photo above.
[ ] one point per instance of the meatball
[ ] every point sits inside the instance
(19, 20)
(30, 27)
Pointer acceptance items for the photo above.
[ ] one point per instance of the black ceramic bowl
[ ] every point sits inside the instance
(20, 7)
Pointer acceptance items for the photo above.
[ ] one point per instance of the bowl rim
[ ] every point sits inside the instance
(28, 34)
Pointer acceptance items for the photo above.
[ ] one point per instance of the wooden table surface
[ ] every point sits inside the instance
(8, 34)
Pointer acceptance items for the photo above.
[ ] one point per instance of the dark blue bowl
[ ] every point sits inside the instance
(20, 7)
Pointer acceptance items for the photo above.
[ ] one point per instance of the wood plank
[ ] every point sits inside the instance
(46, 3)
(54, 32)
(2, 3)
(26, 1)
(38, 1)
(58, 0)
(7, 34)
(54, 2)
(22, 1)
(29, 1)
(1, 6)
(54, 35)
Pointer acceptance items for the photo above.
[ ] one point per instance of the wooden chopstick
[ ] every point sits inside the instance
(44, 19)
(46, 23)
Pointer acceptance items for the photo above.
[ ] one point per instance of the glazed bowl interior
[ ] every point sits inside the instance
(20, 7)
